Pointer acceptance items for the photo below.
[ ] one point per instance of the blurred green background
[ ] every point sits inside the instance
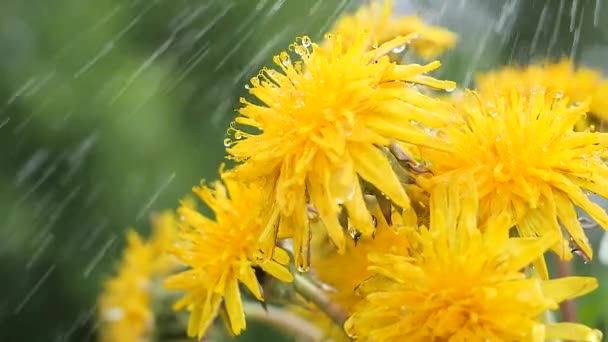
(111, 110)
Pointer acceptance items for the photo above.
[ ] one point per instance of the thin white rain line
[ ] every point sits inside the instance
(146, 64)
(556, 28)
(596, 13)
(198, 56)
(36, 255)
(212, 22)
(21, 90)
(154, 197)
(4, 122)
(34, 289)
(602, 253)
(97, 258)
(102, 53)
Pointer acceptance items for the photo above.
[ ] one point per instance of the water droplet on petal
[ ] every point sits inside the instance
(114, 314)
(306, 42)
(302, 268)
(399, 49)
(284, 57)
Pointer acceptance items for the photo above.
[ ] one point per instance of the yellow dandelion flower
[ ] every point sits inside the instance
(464, 285)
(378, 19)
(219, 255)
(125, 305)
(319, 123)
(343, 273)
(578, 84)
(529, 162)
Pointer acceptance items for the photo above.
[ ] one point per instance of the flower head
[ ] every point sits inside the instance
(125, 305)
(219, 255)
(318, 124)
(342, 273)
(376, 18)
(460, 284)
(562, 78)
(529, 162)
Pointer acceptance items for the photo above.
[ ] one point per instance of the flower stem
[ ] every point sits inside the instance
(568, 307)
(317, 296)
(284, 320)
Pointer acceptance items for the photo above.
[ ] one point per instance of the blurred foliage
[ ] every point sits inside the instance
(110, 110)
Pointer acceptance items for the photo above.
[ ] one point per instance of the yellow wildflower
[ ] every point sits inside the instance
(563, 77)
(377, 18)
(529, 162)
(125, 305)
(319, 123)
(343, 273)
(464, 285)
(219, 253)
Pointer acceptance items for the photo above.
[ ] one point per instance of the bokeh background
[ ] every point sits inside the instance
(111, 110)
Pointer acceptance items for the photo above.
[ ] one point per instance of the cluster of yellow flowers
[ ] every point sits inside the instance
(420, 218)
(125, 311)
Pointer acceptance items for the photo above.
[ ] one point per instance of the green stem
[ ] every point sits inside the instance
(317, 296)
(284, 320)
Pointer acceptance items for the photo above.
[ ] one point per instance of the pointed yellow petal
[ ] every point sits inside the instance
(568, 217)
(194, 321)
(248, 278)
(280, 255)
(234, 306)
(325, 204)
(371, 164)
(358, 212)
(278, 271)
(572, 332)
(524, 251)
(570, 287)
(540, 266)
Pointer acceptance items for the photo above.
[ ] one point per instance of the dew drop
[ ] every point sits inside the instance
(300, 50)
(306, 42)
(114, 314)
(228, 142)
(284, 57)
(247, 86)
(302, 268)
(399, 49)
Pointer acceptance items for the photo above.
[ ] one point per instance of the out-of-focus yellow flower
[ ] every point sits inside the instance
(378, 19)
(464, 285)
(343, 273)
(124, 307)
(578, 84)
(318, 124)
(529, 162)
(219, 253)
